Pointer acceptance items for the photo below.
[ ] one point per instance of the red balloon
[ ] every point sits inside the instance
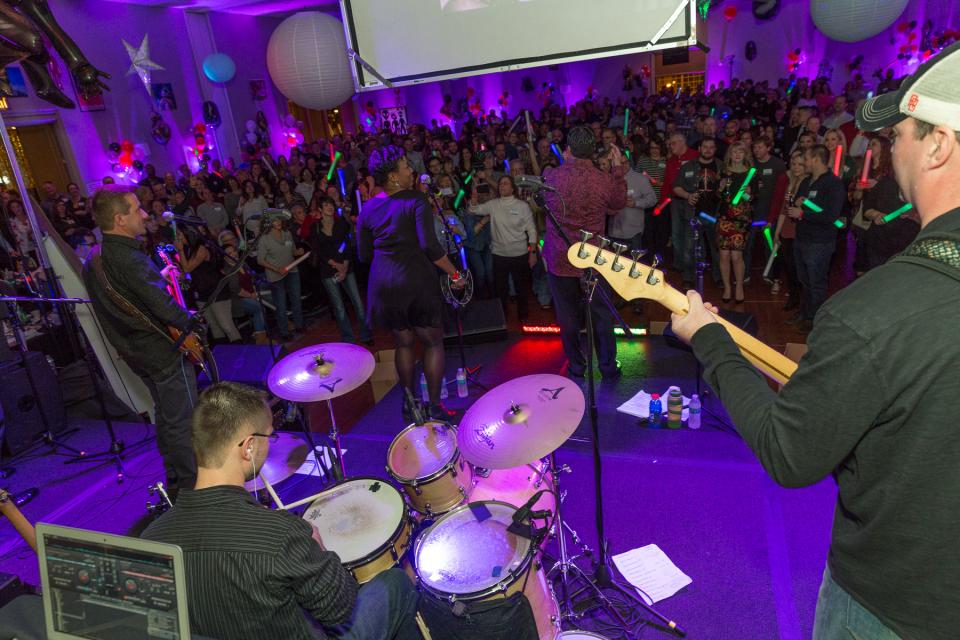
(201, 142)
(126, 146)
(730, 12)
(792, 57)
(125, 160)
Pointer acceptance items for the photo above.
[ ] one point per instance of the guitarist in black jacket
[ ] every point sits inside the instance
(131, 301)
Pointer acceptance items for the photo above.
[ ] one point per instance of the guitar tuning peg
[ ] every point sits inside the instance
(618, 249)
(604, 243)
(584, 236)
(652, 276)
(637, 254)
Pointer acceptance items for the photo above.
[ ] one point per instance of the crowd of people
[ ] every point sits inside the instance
(733, 160)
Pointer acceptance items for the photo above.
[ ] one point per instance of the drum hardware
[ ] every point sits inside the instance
(426, 463)
(164, 503)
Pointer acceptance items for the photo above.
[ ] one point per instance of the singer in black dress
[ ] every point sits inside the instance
(396, 232)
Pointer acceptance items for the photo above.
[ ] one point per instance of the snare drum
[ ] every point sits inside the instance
(468, 555)
(580, 635)
(517, 485)
(363, 520)
(426, 462)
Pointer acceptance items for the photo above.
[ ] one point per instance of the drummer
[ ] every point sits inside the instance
(260, 573)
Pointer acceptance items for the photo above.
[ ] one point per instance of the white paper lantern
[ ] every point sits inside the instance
(854, 20)
(307, 60)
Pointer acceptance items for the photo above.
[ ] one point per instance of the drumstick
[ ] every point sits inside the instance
(423, 627)
(273, 494)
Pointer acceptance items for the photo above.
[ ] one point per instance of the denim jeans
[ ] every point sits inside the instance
(840, 617)
(568, 307)
(813, 271)
(386, 608)
(174, 394)
(288, 286)
(252, 308)
(541, 288)
(481, 266)
(340, 311)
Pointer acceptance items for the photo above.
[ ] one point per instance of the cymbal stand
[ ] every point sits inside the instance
(337, 466)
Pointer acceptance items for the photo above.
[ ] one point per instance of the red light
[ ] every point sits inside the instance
(660, 206)
(544, 329)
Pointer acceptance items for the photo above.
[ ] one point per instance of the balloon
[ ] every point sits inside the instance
(251, 126)
(138, 165)
(112, 155)
(300, 125)
(125, 161)
(855, 20)
(116, 168)
(139, 152)
(115, 147)
(289, 120)
(751, 50)
(211, 114)
(206, 157)
(730, 12)
(219, 67)
(127, 146)
(250, 150)
(251, 137)
(298, 137)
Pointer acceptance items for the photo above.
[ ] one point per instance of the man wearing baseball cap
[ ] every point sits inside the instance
(875, 402)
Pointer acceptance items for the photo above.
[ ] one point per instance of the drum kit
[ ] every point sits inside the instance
(460, 513)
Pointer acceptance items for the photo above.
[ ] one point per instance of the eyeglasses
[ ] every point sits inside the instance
(273, 437)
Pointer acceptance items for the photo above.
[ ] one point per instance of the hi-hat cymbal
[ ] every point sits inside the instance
(320, 372)
(520, 421)
(286, 455)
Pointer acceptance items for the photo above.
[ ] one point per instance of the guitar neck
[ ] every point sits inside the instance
(20, 524)
(767, 360)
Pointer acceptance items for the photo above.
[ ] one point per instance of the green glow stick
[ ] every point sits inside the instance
(469, 178)
(743, 187)
(627, 151)
(769, 237)
(890, 216)
(838, 223)
(626, 122)
(541, 243)
(813, 206)
(333, 165)
(456, 203)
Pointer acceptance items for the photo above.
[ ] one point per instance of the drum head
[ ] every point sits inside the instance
(357, 517)
(419, 452)
(579, 635)
(470, 550)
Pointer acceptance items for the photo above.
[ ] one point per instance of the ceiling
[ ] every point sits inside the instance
(245, 7)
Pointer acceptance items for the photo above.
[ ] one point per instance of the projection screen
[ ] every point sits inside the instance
(415, 41)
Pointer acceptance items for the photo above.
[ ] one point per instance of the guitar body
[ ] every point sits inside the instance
(22, 526)
(632, 279)
(192, 346)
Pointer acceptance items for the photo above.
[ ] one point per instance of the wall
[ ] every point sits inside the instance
(98, 28)
(793, 28)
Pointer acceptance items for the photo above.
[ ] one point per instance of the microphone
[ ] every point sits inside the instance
(526, 510)
(533, 182)
(175, 217)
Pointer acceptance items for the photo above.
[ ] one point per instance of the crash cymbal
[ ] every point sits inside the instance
(320, 372)
(286, 455)
(520, 421)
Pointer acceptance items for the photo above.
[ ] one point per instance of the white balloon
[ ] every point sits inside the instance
(854, 20)
(251, 126)
(289, 120)
(307, 60)
(251, 137)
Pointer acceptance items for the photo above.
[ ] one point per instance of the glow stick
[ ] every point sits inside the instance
(333, 165)
(659, 209)
(838, 223)
(759, 223)
(769, 237)
(530, 137)
(866, 167)
(627, 152)
(556, 151)
(456, 203)
(708, 218)
(893, 214)
(626, 122)
(743, 187)
(343, 183)
(838, 157)
(506, 165)
(331, 151)
(813, 206)
(359, 202)
(287, 268)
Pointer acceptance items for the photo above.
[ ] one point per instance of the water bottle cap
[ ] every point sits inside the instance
(655, 396)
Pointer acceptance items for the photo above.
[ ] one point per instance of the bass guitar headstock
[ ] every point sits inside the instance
(627, 275)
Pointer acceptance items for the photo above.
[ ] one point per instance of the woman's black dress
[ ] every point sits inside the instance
(398, 235)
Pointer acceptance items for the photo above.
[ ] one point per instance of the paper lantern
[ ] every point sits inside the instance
(219, 67)
(730, 13)
(307, 60)
(854, 20)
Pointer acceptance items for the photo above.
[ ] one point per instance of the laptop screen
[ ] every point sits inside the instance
(102, 587)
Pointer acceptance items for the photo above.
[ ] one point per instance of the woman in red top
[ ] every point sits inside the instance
(785, 228)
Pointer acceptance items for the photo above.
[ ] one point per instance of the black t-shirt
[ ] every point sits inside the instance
(764, 183)
(827, 193)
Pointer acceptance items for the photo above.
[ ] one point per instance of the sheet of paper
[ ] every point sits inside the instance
(639, 405)
(652, 573)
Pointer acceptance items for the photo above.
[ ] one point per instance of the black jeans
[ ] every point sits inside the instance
(174, 394)
(519, 268)
(813, 271)
(385, 610)
(568, 303)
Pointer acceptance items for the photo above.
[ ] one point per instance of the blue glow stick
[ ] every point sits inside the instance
(343, 183)
(343, 247)
(708, 218)
(506, 165)
(759, 223)
(556, 151)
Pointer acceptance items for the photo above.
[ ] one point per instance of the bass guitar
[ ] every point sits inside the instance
(8, 508)
(633, 279)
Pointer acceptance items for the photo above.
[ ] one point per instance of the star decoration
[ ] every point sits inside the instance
(140, 62)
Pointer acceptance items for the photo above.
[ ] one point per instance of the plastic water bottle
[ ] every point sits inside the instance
(656, 412)
(443, 389)
(462, 390)
(424, 393)
(694, 420)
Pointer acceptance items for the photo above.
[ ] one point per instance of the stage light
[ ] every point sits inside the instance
(618, 331)
(540, 329)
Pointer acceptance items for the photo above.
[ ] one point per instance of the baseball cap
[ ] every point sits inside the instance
(931, 94)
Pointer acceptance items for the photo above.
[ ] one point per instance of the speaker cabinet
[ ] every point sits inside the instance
(29, 410)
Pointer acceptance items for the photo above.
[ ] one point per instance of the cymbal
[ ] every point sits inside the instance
(320, 372)
(520, 421)
(286, 455)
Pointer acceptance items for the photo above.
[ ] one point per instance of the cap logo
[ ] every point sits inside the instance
(914, 101)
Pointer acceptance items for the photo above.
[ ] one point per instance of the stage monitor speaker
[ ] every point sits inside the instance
(27, 414)
(482, 321)
(247, 364)
(745, 321)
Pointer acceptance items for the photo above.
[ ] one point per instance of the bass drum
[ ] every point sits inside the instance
(363, 520)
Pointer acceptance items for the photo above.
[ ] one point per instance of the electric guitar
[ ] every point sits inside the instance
(633, 279)
(9, 509)
(192, 346)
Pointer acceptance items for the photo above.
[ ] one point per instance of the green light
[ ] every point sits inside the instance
(769, 237)
(333, 165)
(893, 214)
(838, 224)
(618, 331)
(813, 206)
(456, 203)
(469, 178)
(626, 122)
(627, 151)
(743, 187)
(541, 243)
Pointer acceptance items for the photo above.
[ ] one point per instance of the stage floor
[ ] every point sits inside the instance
(755, 551)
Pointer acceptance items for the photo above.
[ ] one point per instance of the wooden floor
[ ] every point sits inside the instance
(764, 306)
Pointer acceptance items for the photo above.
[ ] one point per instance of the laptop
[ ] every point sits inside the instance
(98, 586)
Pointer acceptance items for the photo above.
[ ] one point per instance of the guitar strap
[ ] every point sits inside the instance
(940, 253)
(128, 307)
